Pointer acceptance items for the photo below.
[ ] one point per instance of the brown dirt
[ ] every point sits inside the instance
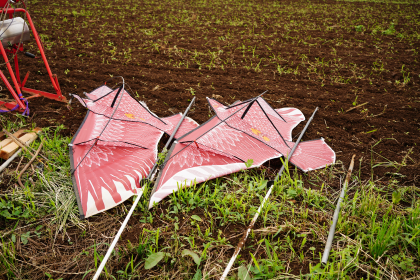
(391, 118)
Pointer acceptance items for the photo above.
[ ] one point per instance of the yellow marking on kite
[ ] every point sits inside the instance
(131, 116)
(256, 131)
(266, 138)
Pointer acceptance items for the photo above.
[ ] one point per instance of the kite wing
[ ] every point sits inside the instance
(222, 145)
(109, 156)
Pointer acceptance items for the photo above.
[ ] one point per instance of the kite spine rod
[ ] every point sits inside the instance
(127, 218)
(152, 171)
(330, 239)
(251, 225)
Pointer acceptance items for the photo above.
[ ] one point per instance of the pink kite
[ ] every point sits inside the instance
(249, 130)
(115, 147)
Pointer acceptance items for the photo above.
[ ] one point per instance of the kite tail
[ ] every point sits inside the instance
(313, 154)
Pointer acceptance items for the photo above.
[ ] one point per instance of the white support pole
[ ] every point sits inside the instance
(7, 162)
(117, 237)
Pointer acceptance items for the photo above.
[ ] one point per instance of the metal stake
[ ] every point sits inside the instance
(152, 171)
(328, 245)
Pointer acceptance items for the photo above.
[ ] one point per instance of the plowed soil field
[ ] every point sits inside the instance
(316, 55)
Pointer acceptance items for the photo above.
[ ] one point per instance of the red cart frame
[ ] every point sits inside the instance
(19, 86)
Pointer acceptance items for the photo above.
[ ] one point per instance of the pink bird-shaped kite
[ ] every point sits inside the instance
(115, 147)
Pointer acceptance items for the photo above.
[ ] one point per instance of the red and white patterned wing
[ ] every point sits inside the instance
(222, 145)
(313, 154)
(190, 165)
(187, 125)
(109, 176)
(111, 171)
(126, 109)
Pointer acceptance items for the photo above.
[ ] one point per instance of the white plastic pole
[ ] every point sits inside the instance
(7, 162)
(117, 237)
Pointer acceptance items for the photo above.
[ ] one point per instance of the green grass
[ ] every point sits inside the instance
(376, 236)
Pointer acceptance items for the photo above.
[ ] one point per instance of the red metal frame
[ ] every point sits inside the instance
(18, 85)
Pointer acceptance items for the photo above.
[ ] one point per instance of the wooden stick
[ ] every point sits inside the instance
(20, 161)
(27, 165)
(355, 107)
(7, 162)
